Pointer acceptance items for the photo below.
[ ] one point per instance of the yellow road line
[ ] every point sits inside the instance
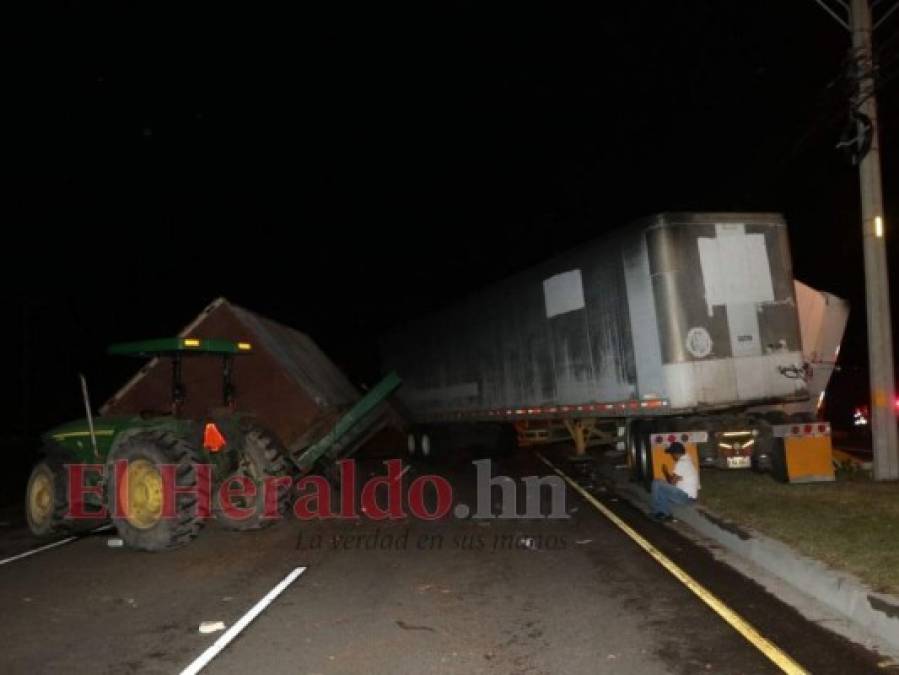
(738, 623)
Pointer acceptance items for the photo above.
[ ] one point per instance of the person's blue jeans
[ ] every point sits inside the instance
(665, 495)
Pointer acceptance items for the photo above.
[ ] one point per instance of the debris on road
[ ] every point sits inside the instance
(529, 543)
(584, 541)
(114, 542)
(211, 627)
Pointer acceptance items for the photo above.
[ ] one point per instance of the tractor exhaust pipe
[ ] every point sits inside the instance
(90, 415)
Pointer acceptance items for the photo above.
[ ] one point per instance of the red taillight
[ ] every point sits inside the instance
(808, 428)
(822, 428)
(671, 438)
(212, 438)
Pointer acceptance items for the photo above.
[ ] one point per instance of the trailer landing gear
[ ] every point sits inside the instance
(580, 429)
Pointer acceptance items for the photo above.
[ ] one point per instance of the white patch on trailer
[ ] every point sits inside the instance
(563, 293)
(735, 267)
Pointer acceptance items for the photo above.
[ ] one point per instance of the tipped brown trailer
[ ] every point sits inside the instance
(289, 384)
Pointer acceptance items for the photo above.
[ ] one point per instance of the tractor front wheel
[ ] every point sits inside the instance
(142, 521)
(47, 500)
(261, 459)
(47, 504)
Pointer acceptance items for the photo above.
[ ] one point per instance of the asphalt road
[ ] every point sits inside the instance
(454, 598)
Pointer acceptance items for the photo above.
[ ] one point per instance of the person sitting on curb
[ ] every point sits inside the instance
(679, 488)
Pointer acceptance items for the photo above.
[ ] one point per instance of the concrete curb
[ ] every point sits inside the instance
(874, 613)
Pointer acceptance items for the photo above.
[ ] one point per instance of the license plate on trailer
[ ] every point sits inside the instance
(739, 462)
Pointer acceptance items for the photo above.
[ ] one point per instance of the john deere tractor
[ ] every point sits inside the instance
(231, 443)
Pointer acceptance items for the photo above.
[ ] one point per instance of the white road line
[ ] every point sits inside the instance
(203, 660)
(37, 550)
(47, 547)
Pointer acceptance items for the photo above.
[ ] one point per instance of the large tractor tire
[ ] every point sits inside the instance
(144, 525)
(47, 501)
(262, 456)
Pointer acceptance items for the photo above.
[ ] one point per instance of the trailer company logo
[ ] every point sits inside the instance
(161, 491)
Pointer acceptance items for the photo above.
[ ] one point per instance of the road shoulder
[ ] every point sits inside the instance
(832, 598)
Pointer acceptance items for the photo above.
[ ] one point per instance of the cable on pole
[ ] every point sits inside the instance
(885, 15)
(840, 20)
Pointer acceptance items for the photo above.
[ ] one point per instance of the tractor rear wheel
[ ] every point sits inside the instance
(144, 525)
(261, 458)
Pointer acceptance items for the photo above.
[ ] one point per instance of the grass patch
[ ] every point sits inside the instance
(851, 524)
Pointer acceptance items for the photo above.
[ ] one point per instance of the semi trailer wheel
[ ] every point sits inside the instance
(763, 453)
(262, 456)
(633, 454)
(144, 526)
(644, 441)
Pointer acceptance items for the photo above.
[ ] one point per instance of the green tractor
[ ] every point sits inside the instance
(234, 447)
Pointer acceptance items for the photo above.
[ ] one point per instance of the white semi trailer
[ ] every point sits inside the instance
(681, 326)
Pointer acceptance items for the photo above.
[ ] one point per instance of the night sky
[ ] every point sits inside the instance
(341, 169)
